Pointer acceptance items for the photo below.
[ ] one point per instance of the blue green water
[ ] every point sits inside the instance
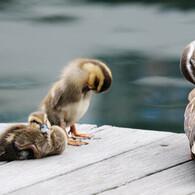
(141, 42)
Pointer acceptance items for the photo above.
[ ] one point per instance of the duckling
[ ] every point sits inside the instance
(69, 98)
(187, 62)
(34, 140)
(189, 122)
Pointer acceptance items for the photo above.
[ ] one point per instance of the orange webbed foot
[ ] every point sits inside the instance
(70, 141)
(76, 142)
(31, 148)
(75, 134)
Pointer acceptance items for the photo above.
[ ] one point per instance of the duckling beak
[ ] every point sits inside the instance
(95, 90)
(44, 128)
(85, 89)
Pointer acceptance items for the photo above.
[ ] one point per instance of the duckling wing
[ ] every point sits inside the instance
(13, 128)
(59, 140)
(56, 94)
(66, 95)
(8, 136)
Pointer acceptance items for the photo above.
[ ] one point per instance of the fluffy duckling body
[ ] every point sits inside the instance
(34, 140)
(69, 98)
(189, 122)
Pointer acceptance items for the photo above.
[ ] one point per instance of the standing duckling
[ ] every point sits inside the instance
(189, 122)
(69, 98)
(34, 140)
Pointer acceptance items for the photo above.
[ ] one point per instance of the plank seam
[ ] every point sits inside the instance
(147, 175)
(99, 129)
(191, 193)
(71, 171)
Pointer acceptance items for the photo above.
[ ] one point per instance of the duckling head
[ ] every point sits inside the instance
(39, 120)
(187, 62)
(100, 76)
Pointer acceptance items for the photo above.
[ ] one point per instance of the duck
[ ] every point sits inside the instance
(187, 62)
(187, 68)
(189, 122)
(34, 140)
(69, 98)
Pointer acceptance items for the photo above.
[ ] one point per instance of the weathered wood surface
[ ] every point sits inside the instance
(116, 161)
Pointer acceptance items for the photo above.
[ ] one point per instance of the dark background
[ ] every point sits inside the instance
(141, 41)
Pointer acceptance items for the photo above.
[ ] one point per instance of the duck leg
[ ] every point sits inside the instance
(31, 149)
(75, 134)
(70, 141)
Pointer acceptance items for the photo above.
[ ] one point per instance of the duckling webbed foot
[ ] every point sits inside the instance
(75, 134)
(70, 141)
(26, 152)
(76, 142)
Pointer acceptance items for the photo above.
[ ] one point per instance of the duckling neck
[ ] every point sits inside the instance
(86, 89)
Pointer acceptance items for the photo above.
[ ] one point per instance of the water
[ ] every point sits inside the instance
(141, 42)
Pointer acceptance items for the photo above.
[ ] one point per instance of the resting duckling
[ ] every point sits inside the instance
(69, 98)
(34, 140)
(187, 62)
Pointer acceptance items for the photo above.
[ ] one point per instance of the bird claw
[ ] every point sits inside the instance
(75, 134)
(76, 142)
(88, 136)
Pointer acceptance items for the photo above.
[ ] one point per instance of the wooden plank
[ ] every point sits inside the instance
(2, 163)
(107, 143)
(118, 170)
(178, 180)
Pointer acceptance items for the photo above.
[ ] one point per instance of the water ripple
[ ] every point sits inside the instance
(9, 117)
(18, 83)
(54, 19)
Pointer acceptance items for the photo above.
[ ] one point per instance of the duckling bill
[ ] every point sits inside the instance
(35, 140)
(69, 98)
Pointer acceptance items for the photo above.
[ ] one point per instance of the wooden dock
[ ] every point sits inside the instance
(116, 161)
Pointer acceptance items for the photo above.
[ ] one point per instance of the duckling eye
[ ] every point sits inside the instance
(34, 121)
